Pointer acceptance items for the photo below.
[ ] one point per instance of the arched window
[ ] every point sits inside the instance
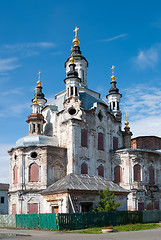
(100, 141)
(101, 171)
(137, 173)
(84, 138)
(117, 174)
(15, 174)
(84, 168)
(34, 173)
(151, 175)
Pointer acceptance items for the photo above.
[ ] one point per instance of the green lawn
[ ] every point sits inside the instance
(123, 228)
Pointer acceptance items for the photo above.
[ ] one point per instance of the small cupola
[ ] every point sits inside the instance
(81, 63)
(35, 119)
(114, 97)
(40, 96)
(127, 134)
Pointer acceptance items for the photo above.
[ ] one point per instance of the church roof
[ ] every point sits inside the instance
(83, 182)
(87, 96)
(38, 140)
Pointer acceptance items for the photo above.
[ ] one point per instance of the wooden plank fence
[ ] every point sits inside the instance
(73, 221)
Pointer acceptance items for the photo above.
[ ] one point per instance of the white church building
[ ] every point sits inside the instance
(75, 147)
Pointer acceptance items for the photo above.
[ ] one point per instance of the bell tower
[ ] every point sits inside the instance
(114, 98)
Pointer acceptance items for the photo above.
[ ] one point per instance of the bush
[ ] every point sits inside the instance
(107, 201)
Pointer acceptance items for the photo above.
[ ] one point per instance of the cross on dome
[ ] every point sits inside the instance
(39, 83)
(76, 30)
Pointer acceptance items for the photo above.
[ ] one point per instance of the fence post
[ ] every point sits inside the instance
(57, 221)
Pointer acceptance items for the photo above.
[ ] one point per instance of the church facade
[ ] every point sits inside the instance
(76, 147)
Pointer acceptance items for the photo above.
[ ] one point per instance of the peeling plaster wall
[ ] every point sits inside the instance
(24, 191)
(141, 191)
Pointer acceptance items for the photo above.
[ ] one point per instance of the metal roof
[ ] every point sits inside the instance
(4, 187)
(83, 182)
(39, 140)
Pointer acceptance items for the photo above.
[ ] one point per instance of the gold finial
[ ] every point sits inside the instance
(39, 83)
(126, 123)
(35, 101)
(113, 76)
(76, 40)
(72, 60)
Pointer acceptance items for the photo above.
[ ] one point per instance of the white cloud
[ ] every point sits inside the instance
(20, 46)
(4, 162)
(143, 104)
(8, 64)
(28, 49)
(147, 58)
(146, 126)
(16, 91)
(13, 109)
(114, 38)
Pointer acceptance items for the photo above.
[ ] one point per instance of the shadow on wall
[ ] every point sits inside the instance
(48, 131)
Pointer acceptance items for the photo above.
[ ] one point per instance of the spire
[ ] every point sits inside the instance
(39, 83)
(76, 40)
(81, 63)
(113, 76)
(38, 93)
(114, 97)
(113, 88)
(127, 134)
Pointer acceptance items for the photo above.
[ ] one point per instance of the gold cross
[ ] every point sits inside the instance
(39, 74)
(75, 30)
(126, 115)
(113, 67)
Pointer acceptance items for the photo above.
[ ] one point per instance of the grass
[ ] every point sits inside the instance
(122, 228)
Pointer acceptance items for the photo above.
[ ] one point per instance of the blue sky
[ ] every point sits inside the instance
(37, 36)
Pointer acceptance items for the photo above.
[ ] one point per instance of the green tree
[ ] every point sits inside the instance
(107, 201)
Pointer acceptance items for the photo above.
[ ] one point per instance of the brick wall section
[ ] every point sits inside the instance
(147, 142)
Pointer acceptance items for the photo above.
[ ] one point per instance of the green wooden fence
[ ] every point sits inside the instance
(73, 221)
(37, 221)
(98, 219)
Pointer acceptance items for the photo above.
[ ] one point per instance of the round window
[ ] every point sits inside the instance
(72, 111)
(33, 154)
